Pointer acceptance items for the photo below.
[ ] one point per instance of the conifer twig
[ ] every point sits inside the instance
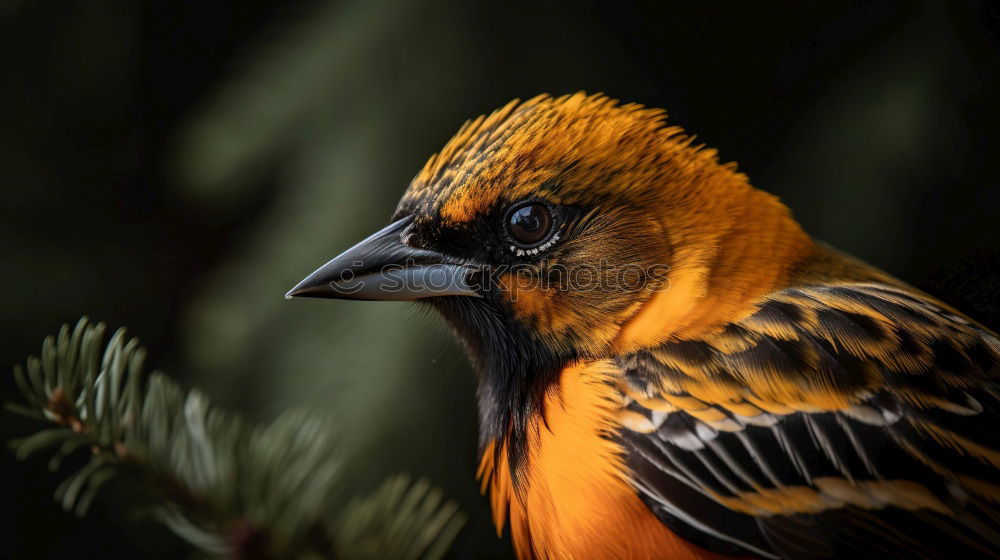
(227, 487)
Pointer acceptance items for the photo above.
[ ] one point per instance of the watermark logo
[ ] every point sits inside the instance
(509, 280)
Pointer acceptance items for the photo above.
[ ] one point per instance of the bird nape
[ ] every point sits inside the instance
(669, 366)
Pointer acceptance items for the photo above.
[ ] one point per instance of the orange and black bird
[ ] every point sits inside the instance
(669, 366)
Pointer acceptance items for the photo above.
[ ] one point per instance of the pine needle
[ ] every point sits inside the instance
(227, 487)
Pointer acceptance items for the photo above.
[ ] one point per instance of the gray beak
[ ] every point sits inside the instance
(382, 268)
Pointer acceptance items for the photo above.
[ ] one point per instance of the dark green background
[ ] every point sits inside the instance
(175, 166)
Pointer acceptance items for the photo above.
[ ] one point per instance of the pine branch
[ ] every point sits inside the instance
(227, 487)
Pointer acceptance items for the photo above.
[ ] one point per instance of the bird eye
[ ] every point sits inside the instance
(530, 224)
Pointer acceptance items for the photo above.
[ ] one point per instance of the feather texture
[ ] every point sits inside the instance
(876, 399)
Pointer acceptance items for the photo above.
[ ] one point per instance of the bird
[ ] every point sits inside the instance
(669, 366)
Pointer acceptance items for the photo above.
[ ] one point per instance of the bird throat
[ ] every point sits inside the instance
(515, 372)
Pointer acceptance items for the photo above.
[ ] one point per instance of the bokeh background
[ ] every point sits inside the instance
(174, 166)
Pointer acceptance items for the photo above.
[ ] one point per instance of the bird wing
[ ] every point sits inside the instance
(837, 420)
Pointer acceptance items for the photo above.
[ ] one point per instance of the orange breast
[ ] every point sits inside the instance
(574, 500)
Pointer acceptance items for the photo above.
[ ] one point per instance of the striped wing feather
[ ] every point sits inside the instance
(856, 420)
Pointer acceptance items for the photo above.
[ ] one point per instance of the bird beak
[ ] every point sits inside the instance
(383, 268)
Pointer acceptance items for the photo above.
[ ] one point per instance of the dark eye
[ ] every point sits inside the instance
(530, 224)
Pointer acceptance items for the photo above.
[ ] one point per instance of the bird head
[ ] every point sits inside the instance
(545, 232)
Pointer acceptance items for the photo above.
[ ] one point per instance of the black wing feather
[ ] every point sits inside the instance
(861, 421)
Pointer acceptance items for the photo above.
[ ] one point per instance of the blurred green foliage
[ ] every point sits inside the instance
(228, 488)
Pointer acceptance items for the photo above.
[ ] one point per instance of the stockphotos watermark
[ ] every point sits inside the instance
(445, 279)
